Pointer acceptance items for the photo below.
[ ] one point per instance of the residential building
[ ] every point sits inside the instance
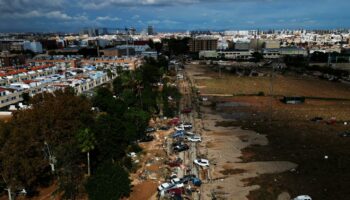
(119, 52)
(272, 44)
(208, 54)
(150, 30)
(202, 44)
(36, 47)
(256, 44)
(242, 46)
(11, 60)
(236, 55)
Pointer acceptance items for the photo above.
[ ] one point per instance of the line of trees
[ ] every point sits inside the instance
(61, 140)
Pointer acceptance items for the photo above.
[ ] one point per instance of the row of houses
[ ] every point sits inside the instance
(80, 79)
(130, 63)
(26, 74)
(246, 55)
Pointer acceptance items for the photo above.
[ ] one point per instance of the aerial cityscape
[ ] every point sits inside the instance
(171, 100)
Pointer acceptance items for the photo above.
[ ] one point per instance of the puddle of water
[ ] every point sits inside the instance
(230, 104)
(235, 115)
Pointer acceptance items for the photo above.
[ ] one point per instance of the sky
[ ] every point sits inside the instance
(172, 15)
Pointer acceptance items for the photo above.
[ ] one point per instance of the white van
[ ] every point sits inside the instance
(302, 197)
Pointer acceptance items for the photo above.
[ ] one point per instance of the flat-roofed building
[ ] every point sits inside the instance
(242, 46)
(208, 54)
(236, 55)
(11, 60)
(202, 44)
(272, 44)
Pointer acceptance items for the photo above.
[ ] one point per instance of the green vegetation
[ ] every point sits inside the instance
(110, 182)
(61, 140)
(176, 46)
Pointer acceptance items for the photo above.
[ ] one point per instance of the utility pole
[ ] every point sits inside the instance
(88, 162)
(9, 193)
(98, 47)
(272, 74)
(52, 159)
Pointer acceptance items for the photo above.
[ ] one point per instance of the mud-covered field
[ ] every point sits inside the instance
(323, 157)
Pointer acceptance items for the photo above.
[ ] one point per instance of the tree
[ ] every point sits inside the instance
(151, 43)
(87, 141)
(70, 172)
(26, 98)
(118, 86)
(158, 46)
(110, 182)
(177, 46)
(53, 120)
(136, 121)
(104, 100)
(257, 56)
(111, 139)
(170, 107)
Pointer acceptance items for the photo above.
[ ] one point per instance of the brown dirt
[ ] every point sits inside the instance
(210, 145)
(232, 171)
(289, 85)
(143, 191)
(292, 136)
(153, 168)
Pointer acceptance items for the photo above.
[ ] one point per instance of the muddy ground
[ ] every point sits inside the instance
(322, 157)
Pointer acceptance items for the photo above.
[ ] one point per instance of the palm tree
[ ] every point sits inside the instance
(87, 141)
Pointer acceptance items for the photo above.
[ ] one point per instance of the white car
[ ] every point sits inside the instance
(179, 128)
(180, 76)
(195, 138)
(189, 133)
(201, 162)
(302, 197)
(164, 186)
(175, 180)
(187, 125)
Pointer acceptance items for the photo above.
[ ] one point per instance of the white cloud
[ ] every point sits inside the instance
(135, 17)
(98, 4)
(165, 22)
(56, 15)
(20, 6)
(107, 18)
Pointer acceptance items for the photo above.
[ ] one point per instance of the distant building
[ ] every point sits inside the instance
(118, 52)
(149, 54)
(256, 44)
(49, 44)
(150, 30)
(236, 55)
(36, 47)
(16, 46)
(6, 45)
(132, 31)
(272, 44)
(93, 32)
(11, 60)
(208, 54)
(293, 51)
(104, 31)
(271, 53)
(242, 46)
(202, 44)
(282, 52)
